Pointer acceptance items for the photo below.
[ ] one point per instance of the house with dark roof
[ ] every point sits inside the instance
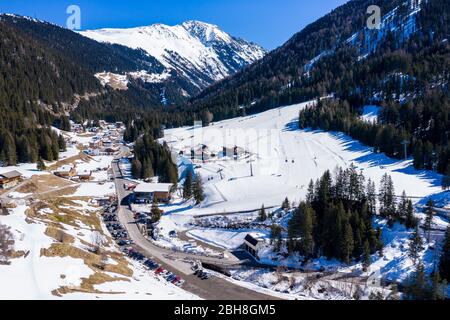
(252, 244)
(10, 179)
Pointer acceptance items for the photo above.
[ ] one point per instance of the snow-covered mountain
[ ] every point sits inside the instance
(197, 51)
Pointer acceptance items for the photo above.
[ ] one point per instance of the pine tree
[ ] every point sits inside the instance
(136, 168)
(155, 211)
(275, 236)
(415, 245)
(41, 165)
(9, 148)
(410, 220)
(402, 207)
(294, 230)
(371, 197)
(417, 287)
(286, 205)
(438, 287)
(429, 218)
(366, 256)
(62, 143)
(310, 193)
(187, 186)
(347, 242)
(262, 216)
(197, 189)
(387, 199)
(446, 178)
(147, 169)
(306, 230)
(444, 261)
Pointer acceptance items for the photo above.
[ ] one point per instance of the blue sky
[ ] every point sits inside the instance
(267, 22)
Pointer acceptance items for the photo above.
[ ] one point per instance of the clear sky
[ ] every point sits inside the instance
(267, 22)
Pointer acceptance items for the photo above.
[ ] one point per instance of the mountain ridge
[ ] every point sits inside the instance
(197, 51)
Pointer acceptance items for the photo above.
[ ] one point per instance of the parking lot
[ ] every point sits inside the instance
(122, 239)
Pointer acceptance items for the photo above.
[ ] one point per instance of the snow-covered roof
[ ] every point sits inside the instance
(65, 168)
(153, 187)
(11, 174)
(84, 172)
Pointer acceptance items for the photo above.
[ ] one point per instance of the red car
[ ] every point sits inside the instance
(177, 278)
(159, 270)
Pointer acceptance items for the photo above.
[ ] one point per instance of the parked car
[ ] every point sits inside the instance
(176, 279)
(205, 276)
(180, 283)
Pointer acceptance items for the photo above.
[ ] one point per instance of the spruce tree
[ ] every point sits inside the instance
(306, 230)
(347, 242)
(41, 165)
(371, 197)
(197, 189)
(310, 194)
(187, 186)
(286, 205)
(402, 207)
(410, 219)
(366, 256)
(62, 143)
(387, 199)
(446, 178)
(275, 236)
(9, 148)
(438, 287)
(415, 245)
(155, 211)
(444, 261)
(136, 168)
(262, 216)
(147, 169)
(417, 287)
(429, 218)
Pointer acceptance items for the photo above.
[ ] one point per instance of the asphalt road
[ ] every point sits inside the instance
(213, 288)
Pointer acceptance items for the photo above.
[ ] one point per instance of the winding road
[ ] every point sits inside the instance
(214, 288)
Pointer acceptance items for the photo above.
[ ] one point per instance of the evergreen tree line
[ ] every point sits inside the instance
(153, 159)
(419, 285)
(423, 123)
(336, 220)
(396, 69)
(30, 146)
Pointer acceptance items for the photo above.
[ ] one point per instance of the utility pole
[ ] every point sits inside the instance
(251, 167)
(220, 172)
(405, 144)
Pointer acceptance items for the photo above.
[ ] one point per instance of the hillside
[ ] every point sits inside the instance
(402, 65)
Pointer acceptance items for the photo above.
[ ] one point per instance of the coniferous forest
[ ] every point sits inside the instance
(336, 219)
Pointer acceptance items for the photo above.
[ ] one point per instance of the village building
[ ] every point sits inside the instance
(253, 244)
(66, 171)
(84, 175)
(10, 179)
(146, 192)
(110, 151)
